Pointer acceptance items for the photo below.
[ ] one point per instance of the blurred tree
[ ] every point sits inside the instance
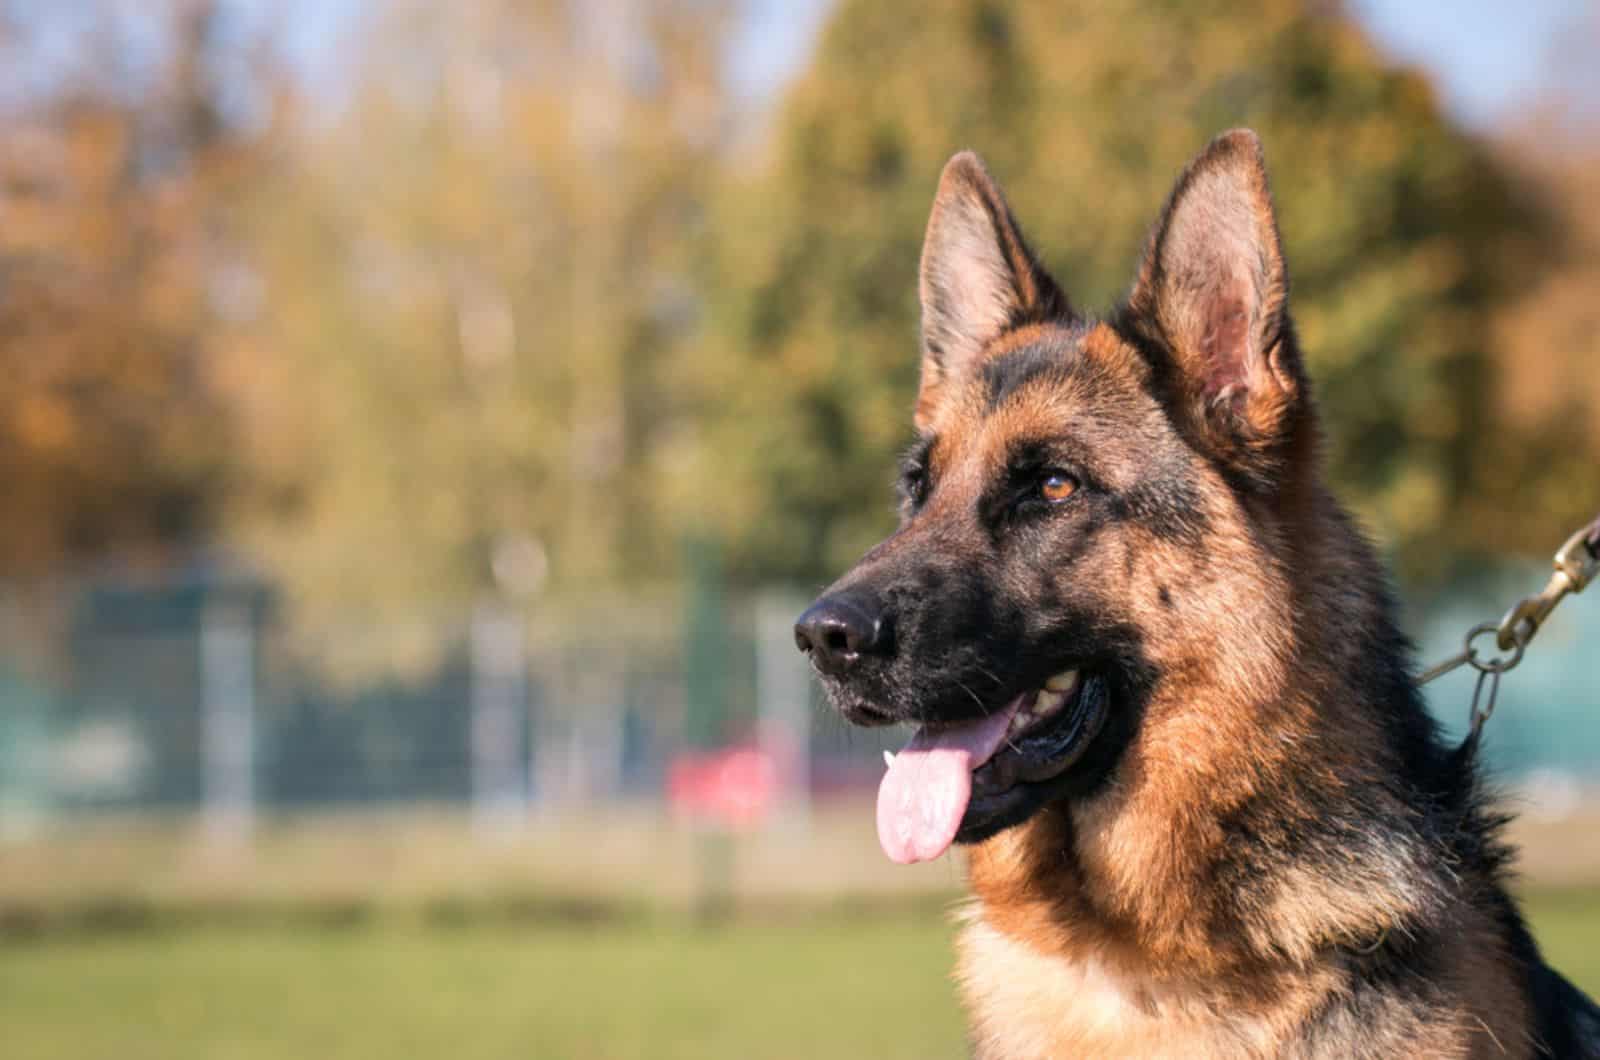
(477, 270)
(113, 233)
(1547, 344)
(1399, 230)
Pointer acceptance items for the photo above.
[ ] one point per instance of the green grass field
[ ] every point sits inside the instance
(806, 986)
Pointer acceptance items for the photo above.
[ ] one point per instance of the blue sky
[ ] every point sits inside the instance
(1490, 58)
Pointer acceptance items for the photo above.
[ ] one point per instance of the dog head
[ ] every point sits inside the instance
(1091, 506)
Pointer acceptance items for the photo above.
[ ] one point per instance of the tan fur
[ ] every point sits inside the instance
(1027, 1003)
(1112, 952)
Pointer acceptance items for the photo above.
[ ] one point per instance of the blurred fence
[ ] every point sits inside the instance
(196, 695)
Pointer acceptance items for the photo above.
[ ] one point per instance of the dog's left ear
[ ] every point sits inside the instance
(1212, 297)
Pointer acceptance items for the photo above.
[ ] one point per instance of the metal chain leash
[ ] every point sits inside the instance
(1577, 564)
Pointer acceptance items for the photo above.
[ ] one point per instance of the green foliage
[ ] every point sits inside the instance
(506, 302)
(1397, 228)
(473, 271)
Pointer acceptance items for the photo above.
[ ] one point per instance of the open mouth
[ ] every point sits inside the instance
(966, 780)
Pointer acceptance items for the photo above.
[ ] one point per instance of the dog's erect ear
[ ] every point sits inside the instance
(978, 277)
(1212, 296)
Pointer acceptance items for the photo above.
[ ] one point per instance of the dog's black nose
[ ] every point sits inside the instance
(840, 628)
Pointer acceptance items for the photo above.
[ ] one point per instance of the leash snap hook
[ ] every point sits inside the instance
(1579, 558)
(1517, 627)
(1576, 562)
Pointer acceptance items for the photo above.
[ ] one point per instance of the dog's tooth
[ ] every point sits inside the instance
(888, 758)
(1019, 721)
(1065, 681)
(1049, 702)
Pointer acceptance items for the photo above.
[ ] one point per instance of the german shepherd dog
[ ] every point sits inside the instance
(1157, 676)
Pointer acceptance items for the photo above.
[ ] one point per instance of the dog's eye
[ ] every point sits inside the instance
(1057, 486)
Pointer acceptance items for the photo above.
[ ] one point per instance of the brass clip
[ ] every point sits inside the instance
(1579, 560)
(1576, 567)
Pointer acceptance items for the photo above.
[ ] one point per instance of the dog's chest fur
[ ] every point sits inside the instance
(1024, 1004)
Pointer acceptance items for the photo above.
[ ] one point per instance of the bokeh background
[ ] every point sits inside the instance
(420, 424)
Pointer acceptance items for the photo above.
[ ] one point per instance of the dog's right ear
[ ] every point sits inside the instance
(1211, 298)
(978, 278)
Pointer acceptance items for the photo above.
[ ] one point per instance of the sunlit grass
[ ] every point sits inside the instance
(806, 985)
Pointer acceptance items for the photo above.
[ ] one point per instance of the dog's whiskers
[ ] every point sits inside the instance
(990, 674)
(975, 697)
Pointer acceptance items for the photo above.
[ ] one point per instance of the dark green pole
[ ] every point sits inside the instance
(705, 651)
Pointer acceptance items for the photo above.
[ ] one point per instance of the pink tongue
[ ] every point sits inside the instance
(924, 794)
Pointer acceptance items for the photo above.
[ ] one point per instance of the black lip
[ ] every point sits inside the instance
(1038, 767)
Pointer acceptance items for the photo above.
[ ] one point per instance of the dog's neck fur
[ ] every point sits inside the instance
(1111, 901)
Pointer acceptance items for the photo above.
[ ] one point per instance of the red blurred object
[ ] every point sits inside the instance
(734, 788)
